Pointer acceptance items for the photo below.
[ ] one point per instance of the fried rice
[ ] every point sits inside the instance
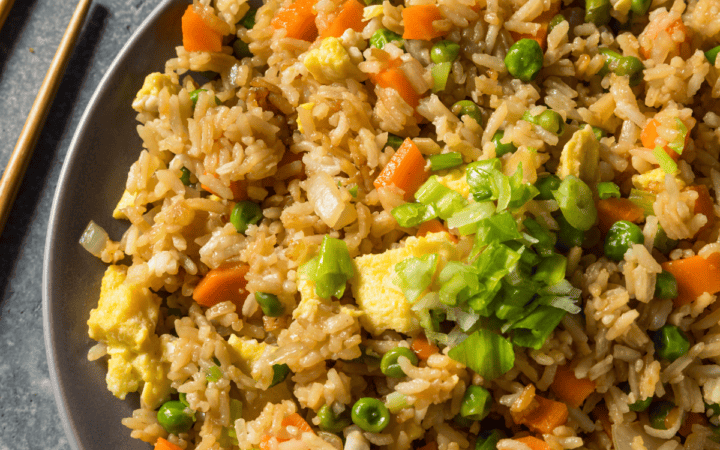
(302, 122)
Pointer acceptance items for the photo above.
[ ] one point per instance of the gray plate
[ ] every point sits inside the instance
(92, 180)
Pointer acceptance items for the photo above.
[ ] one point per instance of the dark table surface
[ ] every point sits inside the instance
(28, 40)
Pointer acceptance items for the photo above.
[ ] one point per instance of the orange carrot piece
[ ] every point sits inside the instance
(569, 389)
(704, 205)
(406, 170)
(350, 16)
(548, 415)
(298, 422)
(540, 36)
(694, 275)
(222, 284)
(434, 226)
(197, 35)
(650, 139)
(298, 19)
(395, 78)
(265, 442)
(162, 444)
(418, 20)
(612, 209)
(691, 419)
(534, 443)
(423, 348)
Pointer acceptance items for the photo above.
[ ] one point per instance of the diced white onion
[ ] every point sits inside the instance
(327, 201)
(94, 239)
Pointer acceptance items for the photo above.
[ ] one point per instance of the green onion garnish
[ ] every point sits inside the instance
(486, 353)
(330, 269)
(445, 161)
(440, 74)
(666, 162)
(415, 275)
(607, 189)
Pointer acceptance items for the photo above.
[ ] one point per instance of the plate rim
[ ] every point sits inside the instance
(49, 256)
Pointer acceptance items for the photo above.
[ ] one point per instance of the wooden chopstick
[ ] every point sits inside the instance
(17, 165)
(5, 7)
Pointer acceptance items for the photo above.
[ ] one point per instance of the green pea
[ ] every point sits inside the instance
(548, 120)
(670, 342)
(370, 415)
(555, 21)
(194, 97)
(640, 7)
(175, 417)
(280, 372)
(500, 148)
(389, 362)
(244, 214)
(712, 54)
(488, 439)
(444, 51)
(248, 20)
(662, 242)
(621, 236)
(665, 285)
(524, 59)
(599, 133)
(241, 49)
(394, 141)
(468, 107)
(185, 177)
(546, 184)
(632, 67)
(270, 304)
(476, 403)
(639, 405)
(384, 36)
(568, 236)
(597, 12)
(658, 413)
(331, 422)
(576, 203)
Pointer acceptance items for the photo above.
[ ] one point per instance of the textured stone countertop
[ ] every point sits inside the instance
(28, 415)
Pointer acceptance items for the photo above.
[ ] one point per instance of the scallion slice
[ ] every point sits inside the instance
(445, 161)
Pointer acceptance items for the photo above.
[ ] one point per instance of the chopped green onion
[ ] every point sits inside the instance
(496, 261)
(185, 177)
(500, 148)
(567, 235)
(270, 304)
(415, 275)
(662, 242)
(457, 281)
(520, 192)
(533, 330)
(443, 200)
(353, 191)
(241, 49)
(331, 422)
(678, 144)
(445, 161)
(384, 36)
(467, 108)
(545, 238)
(213, 373)
(545, 185)
(607, 189)
(244, 214)
(480, 176)
(599, 133)
(643, 199)
(497, 228)
(712, 54)
(280, 372)
(330, 269)
(395, 402)
(551, 269)
(248, 20)
(412, 214)
(666, 162)
(576, 203)
(440, 73)
(487, 440)
(486, 353)
(467, 219)
(196, 93)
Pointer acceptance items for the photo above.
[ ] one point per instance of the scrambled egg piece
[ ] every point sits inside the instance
(126, 200)
(383, 302)
(528, 158)
(580, 157)
(309, 301)
(372, 11)
(125, 321)
(245, 352)
(329, 62)
(456, 180)
(305, 106)
(146, 97)
(654, 181)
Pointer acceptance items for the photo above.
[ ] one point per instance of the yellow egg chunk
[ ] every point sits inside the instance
(245, 352)
(329, 62)
(125, 321)
(654, 181)
(456, 180)
(383, 302)
(154, 83)
(580, 157)
(126, 200)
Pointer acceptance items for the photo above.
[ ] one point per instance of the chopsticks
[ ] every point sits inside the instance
(17, 165)
(5, 7)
